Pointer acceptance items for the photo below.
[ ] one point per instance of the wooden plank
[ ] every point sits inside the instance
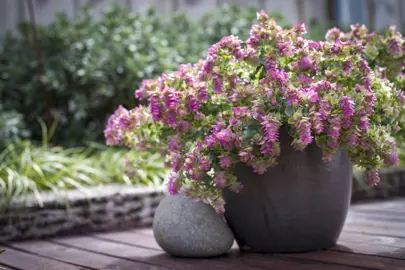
(367, 249)
(349, 259)
(147, 255)
(131, 237)
(21, 260)
(367, 223)
(392, 204)
(382, 231)
(349, 247)
(145, 231)
(372, 217)
(388, 212)
(376, 240)
(77, 256)
(3, 267)
(273, 261)
(248, 259)
(234, 260)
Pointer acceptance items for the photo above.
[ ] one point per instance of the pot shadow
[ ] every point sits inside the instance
(167, 261)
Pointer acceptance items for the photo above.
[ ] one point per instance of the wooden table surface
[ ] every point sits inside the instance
(373, 238)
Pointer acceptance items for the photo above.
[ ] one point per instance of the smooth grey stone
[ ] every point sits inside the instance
(186, 228)
(299, 205)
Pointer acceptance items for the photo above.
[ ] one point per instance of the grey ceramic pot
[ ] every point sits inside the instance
(299, 205)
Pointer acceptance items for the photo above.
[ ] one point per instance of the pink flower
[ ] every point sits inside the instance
(347, 66)
(217, 85)
(240, 111)
(174, 144)
(346, 105)
(189, 162)
(304, 127)
(395, 47)
(317, 123)
(184, 126)
(224, 161)
(236, 187)
(142, 92)
(270, 64)
(305, 64)
(364, 67)
(192, 103)
(245, 157)
(333, 143)
(293, 97)
(391, 158)
(176, 162)
(155, 107)
(334, 127)
(204, 164)
(220, 179)
(114, 129)
(325, 109)
(172, 98)
(202, 93)
(279, 75)
(300, 28)
(333, 34)
(363, 123)
(172, 118)
(174, 183)
(219, 206)
(224, 136)
(336, 47)
(372, 177)
(312, 95)
(304, 79)
(352, 139)
(259, 167)
(286, 49)
(314, 45)
(270, 128)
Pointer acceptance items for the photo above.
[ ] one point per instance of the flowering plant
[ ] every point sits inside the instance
(385, 55)
(229, 108)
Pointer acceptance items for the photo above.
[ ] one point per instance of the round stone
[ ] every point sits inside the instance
(186, 228)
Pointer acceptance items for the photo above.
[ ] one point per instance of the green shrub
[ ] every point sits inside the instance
(12, 127)
(29, 169)
(91, 66)
(26, 168)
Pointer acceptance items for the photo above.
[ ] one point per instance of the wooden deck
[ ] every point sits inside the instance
(373, 238)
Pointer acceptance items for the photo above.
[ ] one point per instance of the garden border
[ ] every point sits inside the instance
(392, 184)
(94, 209)
(121, 206)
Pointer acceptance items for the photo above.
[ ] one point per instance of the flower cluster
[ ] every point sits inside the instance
(385, 54)
(230, 107)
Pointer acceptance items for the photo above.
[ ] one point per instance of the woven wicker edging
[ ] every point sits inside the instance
(101, 208)
(392, 184)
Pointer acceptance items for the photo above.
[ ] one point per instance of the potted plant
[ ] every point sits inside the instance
(266, 131)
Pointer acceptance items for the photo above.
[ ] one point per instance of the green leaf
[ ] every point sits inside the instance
(289, 111)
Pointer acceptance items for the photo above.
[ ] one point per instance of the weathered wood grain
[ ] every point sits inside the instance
(75, 256)
(22, 260)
